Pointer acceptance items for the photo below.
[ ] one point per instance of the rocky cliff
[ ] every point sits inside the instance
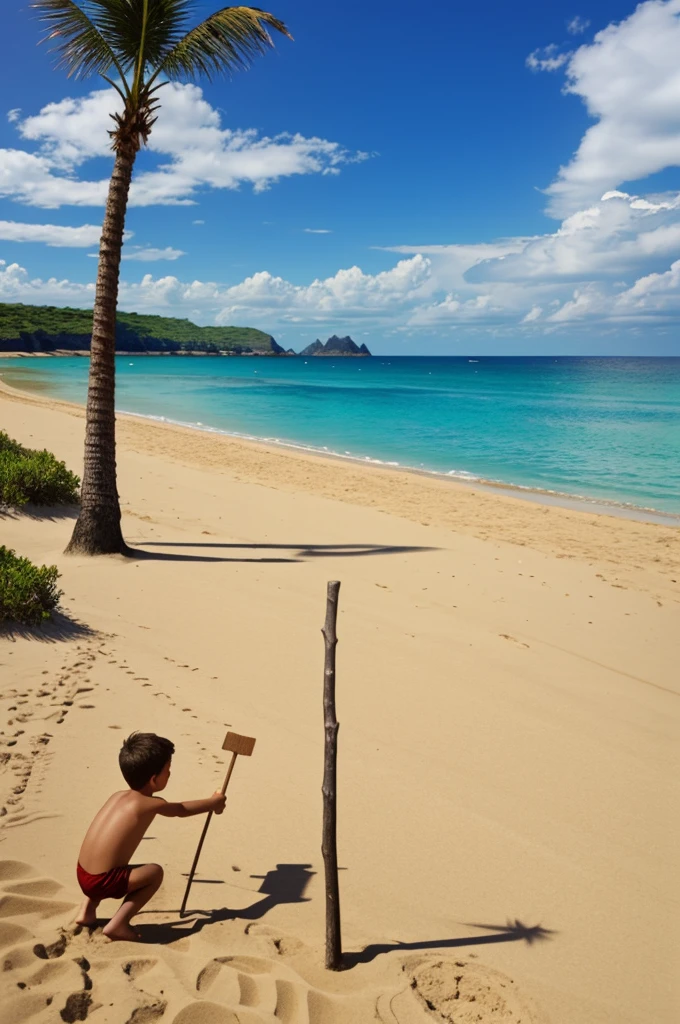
(335, 347)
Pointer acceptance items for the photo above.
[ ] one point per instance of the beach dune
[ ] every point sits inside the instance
(508, 772)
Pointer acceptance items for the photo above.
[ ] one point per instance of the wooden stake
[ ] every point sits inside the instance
(329, 787)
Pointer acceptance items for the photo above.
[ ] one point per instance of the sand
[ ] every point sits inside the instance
(508, 705)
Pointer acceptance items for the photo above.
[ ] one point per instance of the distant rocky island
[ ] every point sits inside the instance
(335, 347)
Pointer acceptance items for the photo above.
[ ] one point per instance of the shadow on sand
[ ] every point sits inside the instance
(285, 884)
(512, 931)
(298, 552)
(58, 628)
(54, 513)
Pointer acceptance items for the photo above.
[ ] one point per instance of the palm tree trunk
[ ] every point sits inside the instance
(97, 530)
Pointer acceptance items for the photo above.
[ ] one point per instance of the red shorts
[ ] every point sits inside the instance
(110, 885)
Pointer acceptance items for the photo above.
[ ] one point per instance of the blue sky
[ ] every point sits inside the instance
(429, 182)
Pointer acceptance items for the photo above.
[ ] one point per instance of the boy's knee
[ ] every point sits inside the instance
(157, 874)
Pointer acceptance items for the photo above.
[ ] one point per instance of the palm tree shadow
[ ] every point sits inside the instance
(299, 552)
(139, 554)
(511, 931)
(286, 883)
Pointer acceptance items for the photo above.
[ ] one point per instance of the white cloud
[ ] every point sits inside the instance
(318, 231)
(349, 293)
(629, 80)
(52, 234)
(547, 58)
(17, 286)
(150, 255)
(189, 146)
(615, 262)
(576, 26)
(198, 222)
(619, 235)
(14, 115)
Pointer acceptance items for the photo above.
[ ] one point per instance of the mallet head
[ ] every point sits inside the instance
(242, 745)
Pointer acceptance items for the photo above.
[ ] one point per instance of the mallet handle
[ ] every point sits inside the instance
(228, 775)
(202, 839)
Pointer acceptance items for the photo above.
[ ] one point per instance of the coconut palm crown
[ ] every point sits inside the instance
(137, 46)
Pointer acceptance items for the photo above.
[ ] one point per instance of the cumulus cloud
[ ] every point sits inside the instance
(262, 298)
(190, 148)
(629, 81)
(615, 262)
(619, 235)
(52, 234)
(17, 286)
(350, 292)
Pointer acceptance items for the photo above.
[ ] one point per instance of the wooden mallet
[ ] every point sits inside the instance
(237, 745)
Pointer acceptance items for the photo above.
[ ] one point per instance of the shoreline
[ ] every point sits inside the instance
(521, 492)
(557, 499)
(642, 554)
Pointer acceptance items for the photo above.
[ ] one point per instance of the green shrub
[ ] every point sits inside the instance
(34, 476)
(28, 593)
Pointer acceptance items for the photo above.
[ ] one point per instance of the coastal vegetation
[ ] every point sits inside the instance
(48, 328)
(28, 592)
(35, 477)
(137, 46)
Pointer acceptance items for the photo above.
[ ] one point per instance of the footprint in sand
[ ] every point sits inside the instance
(457, 990)
(513, 639)
(54, 971)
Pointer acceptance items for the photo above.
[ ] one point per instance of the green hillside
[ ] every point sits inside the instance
(46, 328)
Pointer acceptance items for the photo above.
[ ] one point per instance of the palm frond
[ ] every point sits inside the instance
(227, 41)
(80, 46)
(157, 25)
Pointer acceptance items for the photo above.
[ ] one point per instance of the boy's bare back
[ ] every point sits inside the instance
(117, 830)
(119, 827)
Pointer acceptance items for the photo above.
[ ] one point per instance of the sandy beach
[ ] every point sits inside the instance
(509, 735)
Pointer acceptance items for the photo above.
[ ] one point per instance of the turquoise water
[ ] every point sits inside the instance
(604, 429)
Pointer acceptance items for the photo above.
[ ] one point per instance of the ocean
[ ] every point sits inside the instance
(598, 429)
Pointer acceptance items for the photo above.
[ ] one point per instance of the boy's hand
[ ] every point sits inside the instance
(219, 800)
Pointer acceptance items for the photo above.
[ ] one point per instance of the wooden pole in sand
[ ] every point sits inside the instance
(329, 788)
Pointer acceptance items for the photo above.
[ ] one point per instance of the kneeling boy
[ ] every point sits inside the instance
(104, 869)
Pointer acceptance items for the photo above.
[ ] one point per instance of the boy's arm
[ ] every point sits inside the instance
(186, 808)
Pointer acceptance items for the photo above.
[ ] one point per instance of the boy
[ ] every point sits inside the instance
(104, 871)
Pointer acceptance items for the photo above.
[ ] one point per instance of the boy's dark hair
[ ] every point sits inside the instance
(142, 756)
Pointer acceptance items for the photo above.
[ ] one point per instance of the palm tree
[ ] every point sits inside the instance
(137, 46)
